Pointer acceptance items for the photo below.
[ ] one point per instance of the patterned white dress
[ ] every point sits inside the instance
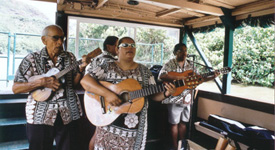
(128, 131)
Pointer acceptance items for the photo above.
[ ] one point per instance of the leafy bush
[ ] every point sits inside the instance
(253, 53)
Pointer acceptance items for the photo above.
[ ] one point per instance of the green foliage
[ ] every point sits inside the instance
(150, 42)
(253, 53)
(162, 44)
(92, 36)
(254, 56)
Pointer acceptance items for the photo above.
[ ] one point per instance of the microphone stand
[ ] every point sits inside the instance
(198, 64)
(192, 98)
(192, 94)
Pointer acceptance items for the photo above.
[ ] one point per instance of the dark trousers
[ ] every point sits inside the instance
(41, 136)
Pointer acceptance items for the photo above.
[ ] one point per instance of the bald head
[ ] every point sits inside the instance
(46, 30)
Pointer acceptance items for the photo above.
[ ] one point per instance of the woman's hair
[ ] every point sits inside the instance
(120, 40)
(177, 47)
(110, 40)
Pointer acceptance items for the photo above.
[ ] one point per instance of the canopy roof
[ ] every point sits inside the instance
(175, 13)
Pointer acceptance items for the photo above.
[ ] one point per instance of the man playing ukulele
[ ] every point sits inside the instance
(56, 117)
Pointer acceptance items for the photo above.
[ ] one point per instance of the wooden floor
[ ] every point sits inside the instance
(195, 146)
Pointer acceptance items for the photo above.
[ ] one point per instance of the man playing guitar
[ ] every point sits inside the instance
(178, 106)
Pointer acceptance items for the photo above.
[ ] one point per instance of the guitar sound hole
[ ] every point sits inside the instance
(124, 96)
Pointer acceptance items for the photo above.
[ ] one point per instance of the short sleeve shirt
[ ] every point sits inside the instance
(63, 101)
(110, 72)
(130, 123)
(173, 66)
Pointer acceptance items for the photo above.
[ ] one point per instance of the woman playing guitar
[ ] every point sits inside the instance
(128, 130)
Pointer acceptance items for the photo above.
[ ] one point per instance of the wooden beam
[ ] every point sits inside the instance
(240, 17)
(189, 12)
(203, 24)
(167, 12)
(127, 17)
(202, 19)
(247, 10)
(217, 3)
(211, 10)
(192, 13)
(228, 2)
(256, 6)
(256, 14)
(158, 4)
(60, 2)
(100, 3)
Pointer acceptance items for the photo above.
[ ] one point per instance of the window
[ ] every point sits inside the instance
(20, 34)
(154, 44)
(253, 61)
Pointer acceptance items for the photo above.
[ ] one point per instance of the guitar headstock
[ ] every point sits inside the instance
(225, 70)
(93, 54)
(193, 81)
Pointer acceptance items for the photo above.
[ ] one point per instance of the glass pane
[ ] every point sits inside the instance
(253, 61)
(154, 45)
(25, 31)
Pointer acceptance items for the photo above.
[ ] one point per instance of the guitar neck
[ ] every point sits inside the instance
(224, 70)
(190, 81)
(68, 69)
(153, 90)
(205, 75)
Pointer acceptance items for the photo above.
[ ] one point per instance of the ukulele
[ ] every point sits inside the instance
(101, 113)
(198, 78)
(43, 94)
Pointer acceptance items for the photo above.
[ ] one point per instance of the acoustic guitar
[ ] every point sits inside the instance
(193, 76)
(43, 94)
(101, 113)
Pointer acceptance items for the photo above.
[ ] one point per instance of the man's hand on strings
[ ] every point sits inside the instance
(170, 89)
(50, 82)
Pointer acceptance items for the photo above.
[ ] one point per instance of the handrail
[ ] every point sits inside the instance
(14, 57)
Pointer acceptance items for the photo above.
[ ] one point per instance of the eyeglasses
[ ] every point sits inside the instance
(133, 45)
(56, 37)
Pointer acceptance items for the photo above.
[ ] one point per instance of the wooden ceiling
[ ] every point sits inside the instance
(176, 13)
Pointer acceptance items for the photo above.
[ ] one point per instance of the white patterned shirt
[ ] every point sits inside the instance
(173, 66)
(64, 101)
